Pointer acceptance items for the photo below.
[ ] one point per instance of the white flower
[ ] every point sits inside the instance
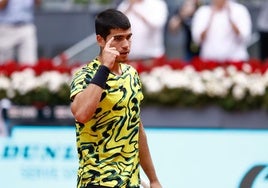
(216, 89)
(227, 84)
(206, 75)
(231, 70)
(215, 82)
(219, 73)
(239, 92)
(24, 81)
(53, 80)
(183, 80)
(246, 68)
(151, 83)
(257, 85)
(197, 86)
(240, 78)
(265, 78)
(5, 83)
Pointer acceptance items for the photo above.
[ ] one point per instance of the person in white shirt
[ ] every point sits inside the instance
(148, 19)
(18, 40)
(223, 30)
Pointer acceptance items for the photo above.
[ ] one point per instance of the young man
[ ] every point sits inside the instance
(106, 96)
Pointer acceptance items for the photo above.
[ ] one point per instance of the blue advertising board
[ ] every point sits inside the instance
(184, 158)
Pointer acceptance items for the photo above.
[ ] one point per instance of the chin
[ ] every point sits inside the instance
(122, 59)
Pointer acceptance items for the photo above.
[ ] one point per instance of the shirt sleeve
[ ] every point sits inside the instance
(80, 81)
(158, 14)
(200, 22)
(242, 19)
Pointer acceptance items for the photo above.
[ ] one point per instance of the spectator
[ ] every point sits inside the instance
(148, 20)
(262, 26)
(223, 30)
(18, 39)
(183, 19)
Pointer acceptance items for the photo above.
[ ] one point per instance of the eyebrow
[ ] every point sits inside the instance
(123, 35)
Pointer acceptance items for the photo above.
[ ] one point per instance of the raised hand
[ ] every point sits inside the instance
(109, 54)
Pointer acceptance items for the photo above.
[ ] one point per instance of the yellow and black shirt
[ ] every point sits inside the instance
(108, 143)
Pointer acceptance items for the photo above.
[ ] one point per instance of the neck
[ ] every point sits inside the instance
(115, 69)
(220, 4)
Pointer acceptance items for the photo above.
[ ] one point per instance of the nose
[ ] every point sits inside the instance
(126, 44)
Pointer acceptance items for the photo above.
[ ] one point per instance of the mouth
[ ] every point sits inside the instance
(124, 53)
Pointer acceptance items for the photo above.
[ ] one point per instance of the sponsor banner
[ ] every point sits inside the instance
(46, 157)
(38, 157)
(210, 158)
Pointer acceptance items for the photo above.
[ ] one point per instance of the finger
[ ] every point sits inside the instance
(114, 51)
(108, 44)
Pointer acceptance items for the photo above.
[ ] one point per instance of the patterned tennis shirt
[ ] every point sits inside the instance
(108, 143)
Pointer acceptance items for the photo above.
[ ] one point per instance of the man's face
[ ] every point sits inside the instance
(122, 43)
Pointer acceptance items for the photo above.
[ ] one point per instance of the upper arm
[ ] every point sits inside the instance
(244, 24)
(199, 23)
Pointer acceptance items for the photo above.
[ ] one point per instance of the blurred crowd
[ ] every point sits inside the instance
(218, 30)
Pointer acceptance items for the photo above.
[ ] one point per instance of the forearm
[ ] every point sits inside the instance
(203, 34)
(174, 23)
(234, 27)
(145, 157)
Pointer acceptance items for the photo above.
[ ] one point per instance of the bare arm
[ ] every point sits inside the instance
(146, 160)
(174, 23)
(86, 102)
(234, 27)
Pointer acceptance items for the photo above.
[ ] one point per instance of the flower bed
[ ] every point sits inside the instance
(168, 82)
(42, 84)
(229, 85)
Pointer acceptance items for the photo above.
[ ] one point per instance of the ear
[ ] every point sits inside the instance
(100, 40)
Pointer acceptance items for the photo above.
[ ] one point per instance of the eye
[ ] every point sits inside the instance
(129, 37)
(118, 38)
